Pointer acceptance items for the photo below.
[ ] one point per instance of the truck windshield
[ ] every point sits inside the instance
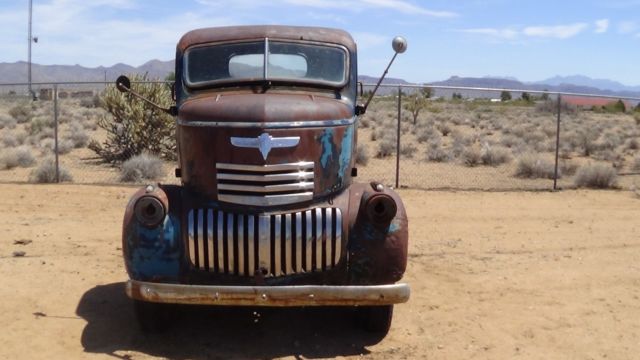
(287, 61)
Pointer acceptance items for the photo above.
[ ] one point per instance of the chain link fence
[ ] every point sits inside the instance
(499, 139)
(411, 136)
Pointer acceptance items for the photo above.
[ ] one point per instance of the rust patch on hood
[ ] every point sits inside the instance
(250, 107)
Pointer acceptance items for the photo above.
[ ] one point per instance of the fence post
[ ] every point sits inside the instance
(555, 172)
(55, 130)
(398, 137)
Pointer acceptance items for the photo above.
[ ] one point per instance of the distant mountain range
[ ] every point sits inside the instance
(156, 69)
(17, 72)
(571, 84)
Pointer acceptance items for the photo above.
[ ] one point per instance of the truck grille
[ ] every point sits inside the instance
(275, 244)
(266, 185)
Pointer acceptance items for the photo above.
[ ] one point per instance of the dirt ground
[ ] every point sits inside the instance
(493, 276)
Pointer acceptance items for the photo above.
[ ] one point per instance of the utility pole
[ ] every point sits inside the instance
(30, 40)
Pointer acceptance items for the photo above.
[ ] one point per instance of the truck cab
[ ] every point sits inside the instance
(267, 213)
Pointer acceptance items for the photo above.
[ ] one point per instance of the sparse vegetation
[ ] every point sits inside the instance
(386, 148)
(133, 126)
(22, 113)
(141, 167)
(362, 155)
(596, 176)
(494, 156)
(77, 135)
(472, 156)
(16, 157)
(532, 166)
(46, 173)
(418, 102)
(435, 153)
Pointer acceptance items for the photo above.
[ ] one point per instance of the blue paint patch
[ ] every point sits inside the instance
(345, 152)
(154, 253)
(393, 227)
(326, 140)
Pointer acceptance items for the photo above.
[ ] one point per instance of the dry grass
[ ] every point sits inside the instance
(596, 176)
(142, 168)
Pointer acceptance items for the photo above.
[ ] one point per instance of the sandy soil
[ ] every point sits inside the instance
(493, 276)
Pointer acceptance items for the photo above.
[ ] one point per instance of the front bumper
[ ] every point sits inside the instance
(304, 295)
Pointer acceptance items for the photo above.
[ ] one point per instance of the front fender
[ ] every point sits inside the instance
(377, 250)
(153, 254)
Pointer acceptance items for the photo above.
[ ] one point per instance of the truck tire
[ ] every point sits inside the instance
(375, 319)
(152, 317)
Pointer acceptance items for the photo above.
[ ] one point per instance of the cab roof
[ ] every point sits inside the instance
(239, 33)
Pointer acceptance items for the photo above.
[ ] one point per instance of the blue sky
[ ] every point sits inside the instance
(529, 40)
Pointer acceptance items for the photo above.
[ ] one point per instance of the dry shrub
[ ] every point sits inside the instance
(408, 150)
(426, 133)
(8, 139)
(65, 146)
(635, 166)
(609, 141)
(22, 112)
(495, 155)
(364, 122)
(142, 167)
(362, 155)
(568, 168)
(7, 121)
(386, 148)
(472, 156)
(444, 129)
(39, 124)
(45, 173)
(436, 153)
(77, 135)
(532, 166)
(597, 176)
(586, 138)
(513, 142)
(632, 144)
(13, 138)
(20, 156)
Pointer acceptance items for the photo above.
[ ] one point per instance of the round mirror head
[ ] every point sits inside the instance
(123, 83)
(399, 44)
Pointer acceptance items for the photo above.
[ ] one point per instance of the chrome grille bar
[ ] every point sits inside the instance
(265, 185)
(274, 244)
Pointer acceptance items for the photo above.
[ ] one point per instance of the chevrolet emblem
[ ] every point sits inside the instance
(265, 143)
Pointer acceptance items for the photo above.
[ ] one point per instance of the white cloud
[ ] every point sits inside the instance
(627, 27)
(81, 33)
(557, 32)
(508, 34)
(602, 26)
(401, 6)
(367, 40)
(407, 8)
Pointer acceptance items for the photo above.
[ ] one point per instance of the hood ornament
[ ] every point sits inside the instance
(265, 143)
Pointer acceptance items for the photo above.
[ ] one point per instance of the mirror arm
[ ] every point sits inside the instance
(363, 109)
(123, 87)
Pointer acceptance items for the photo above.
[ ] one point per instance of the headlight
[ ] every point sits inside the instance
(381, 208)
(149, 211)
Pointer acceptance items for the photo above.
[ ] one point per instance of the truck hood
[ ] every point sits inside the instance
(268, 107)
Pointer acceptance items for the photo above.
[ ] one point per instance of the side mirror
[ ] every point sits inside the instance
(123, 84)
(399, 44)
